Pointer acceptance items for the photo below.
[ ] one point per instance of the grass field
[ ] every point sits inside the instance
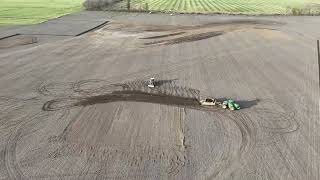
(16, 12)
(226, 6)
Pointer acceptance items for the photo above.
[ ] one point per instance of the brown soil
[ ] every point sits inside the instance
(162, 133)
(17, 40)
(136, 96)
(188, 38)
(163, 36)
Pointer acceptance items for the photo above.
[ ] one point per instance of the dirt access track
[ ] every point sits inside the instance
(74, 104)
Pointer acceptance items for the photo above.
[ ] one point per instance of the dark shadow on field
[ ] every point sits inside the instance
(244, 104)
(162, 82)
(248, 103)
(187, 38)
(163, 36)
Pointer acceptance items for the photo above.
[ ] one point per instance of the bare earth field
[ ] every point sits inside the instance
(74, 105)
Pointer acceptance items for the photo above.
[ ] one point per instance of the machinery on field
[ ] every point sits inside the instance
(208, 102)
(151, 83)
(227, 104)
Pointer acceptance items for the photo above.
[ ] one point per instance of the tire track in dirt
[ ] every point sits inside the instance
(133, 91)
(248, 141)
(163, 36)
(55, 89)
(187, 38)
(177, 163)
(22, 122)
(14, 111)
(10, 159)
(167, 93)
(279, 122)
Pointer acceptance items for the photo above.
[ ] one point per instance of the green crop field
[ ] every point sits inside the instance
(225, 6)
(35, 11)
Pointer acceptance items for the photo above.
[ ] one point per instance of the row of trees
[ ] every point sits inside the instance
(102, 4)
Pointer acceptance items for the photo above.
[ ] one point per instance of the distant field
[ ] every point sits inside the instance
(17, 12)
(35, 11)
(225, 6)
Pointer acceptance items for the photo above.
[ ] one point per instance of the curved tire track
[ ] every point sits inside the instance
(167, 93)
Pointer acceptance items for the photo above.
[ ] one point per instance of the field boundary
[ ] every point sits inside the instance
(209, 14)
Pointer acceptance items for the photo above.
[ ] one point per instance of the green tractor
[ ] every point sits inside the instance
(230, 104)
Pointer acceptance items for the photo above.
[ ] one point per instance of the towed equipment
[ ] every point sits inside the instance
(227, 104)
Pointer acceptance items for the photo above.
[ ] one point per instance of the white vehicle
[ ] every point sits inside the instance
(151, 83)
(208, 102)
